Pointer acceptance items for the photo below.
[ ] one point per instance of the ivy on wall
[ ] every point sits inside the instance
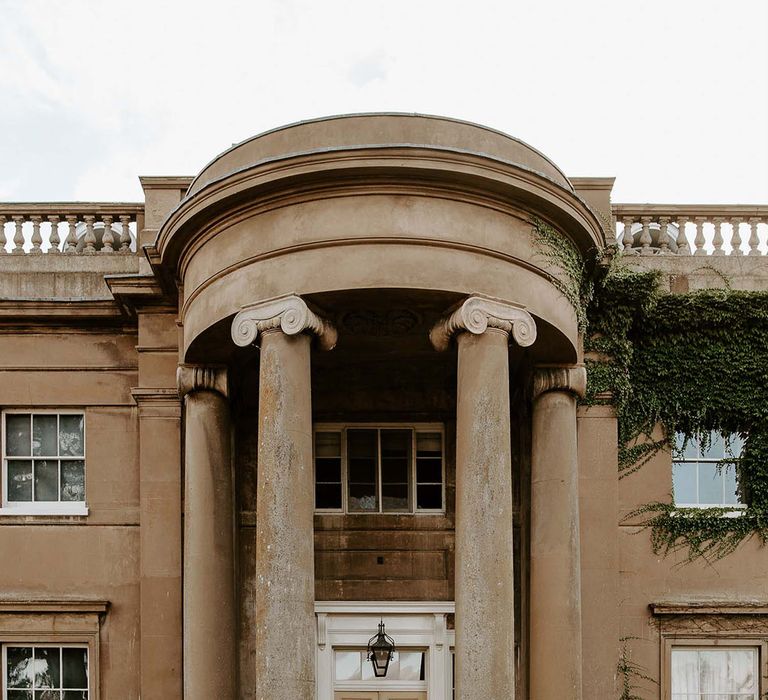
(691, 363)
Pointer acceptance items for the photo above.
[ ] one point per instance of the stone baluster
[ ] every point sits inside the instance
(683, 248)
(754, 239)
(70, 243)
(18, 236)
(89, 240)
(664, 235)
(108, 237)
(645, 236)
(125, 235)
(717, 240)
(737, 237)
(627, 238)
(3, 239)
(698, 241)
(37, 238)
(54, 240)
(485, 665)
(284, 585)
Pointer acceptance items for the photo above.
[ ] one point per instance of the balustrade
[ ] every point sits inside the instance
(654, 229)
(88, 229)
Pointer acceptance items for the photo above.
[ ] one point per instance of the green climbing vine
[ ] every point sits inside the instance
(630, 673)
(691, 363)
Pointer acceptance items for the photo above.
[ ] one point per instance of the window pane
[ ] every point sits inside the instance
(75, 661)
(429, 497)
(71, 436)
(47, 671)
(44, 435)
(429, 444)
(17, 435)
(47, 695)
(19, 667)
(328, 444)
(73, 480)
(429, 470)
(362, 451)
(76, 695)
(710, 484)
(731, 487)
(726, 671)
(20, 480)
(46, 480)
(412, 666)
(328, 469)
(362, 497)
(684, 482)
(328, 496)
(348, 666)
(395, 456)
(394, 497)
(19, 695)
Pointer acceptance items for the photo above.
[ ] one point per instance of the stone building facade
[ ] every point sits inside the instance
(332, 381)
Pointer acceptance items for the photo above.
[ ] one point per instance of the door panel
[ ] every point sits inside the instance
(360, 695)
(355, 695)
(407, 695)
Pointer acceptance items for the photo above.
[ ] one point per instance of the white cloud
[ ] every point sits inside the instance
(672, 98)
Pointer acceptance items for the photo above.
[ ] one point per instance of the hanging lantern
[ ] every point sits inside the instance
(381, 647)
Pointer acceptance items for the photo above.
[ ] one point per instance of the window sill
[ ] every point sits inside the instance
(734, 511)
(44, 510)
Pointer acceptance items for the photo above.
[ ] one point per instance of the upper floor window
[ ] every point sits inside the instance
(704, 471)
(729, 673)
(45, 672)
(43, 462)
(387, 469)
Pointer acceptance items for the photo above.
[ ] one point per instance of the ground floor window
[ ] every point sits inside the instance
(45, 672)
(705, 673)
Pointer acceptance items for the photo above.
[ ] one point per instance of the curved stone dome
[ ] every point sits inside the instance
(377, 129)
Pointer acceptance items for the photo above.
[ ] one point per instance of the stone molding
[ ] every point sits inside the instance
(288, 313)
(477, 313)
(572, 379)
(191, 378)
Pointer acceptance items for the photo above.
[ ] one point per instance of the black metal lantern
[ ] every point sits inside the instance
(381, 647)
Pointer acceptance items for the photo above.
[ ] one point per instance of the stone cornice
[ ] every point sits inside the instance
(191, 378)
(289, 313)
(53, 605)
(572, 379)
(476, 314)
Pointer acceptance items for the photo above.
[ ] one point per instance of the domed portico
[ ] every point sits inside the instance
(405, 243)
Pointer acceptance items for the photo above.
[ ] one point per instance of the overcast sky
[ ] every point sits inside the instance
(668, 96)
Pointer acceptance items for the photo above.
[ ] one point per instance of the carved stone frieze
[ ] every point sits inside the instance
(390, 323)
(289, 313)
(191, 378)
(477, 314)
(561, 378)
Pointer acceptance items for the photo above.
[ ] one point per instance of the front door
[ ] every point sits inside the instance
(384, 695)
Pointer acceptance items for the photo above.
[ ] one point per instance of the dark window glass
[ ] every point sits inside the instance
(429, 497)
(362, 452)
(395, 469)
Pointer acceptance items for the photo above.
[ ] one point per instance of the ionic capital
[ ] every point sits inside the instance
(572, 379)
(191, 378)
(477, 314)
(288, 313)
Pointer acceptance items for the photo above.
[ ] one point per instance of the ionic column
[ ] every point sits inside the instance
(210, 649)
(555, 606)
(285, 578)
(485, 595)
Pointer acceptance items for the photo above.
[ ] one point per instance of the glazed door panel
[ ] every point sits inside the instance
(400, 695)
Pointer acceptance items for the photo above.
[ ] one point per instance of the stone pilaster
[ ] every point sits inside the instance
(285, 578)
(485, 596)
(210, 649)
(555, 607)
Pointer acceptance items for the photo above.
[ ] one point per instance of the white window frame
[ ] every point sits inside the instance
(17, 508)
(735, 508)
(417, 626)
(415, 428)
(711, 644)
(48, 645)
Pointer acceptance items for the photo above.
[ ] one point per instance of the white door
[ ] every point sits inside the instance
(386, 695)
